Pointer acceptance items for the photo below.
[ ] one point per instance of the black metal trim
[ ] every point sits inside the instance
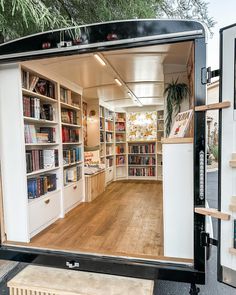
(219, 266)
(102, 264)
(199, 148)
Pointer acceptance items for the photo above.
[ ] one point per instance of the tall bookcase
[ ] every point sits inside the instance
(71, 131)
(102, 135)
(160, 135)
(120, 146)
(33, 146)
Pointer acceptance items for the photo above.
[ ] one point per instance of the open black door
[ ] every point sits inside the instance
(227, 158)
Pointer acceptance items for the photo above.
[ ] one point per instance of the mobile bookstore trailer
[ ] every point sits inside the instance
(93, 177)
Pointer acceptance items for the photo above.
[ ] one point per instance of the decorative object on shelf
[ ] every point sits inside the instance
(181, 124)
(176, 93)
(141, 126)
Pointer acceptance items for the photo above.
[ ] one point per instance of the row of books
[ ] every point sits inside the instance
(70, 135)
(120, 160)
(142, 171)
(120, 117)
(120, 137)
(109, 150)
(101, 137)
(101, 111)
(35, 134)
(109, 137)
(36, 84)
(72, 174)
(142, 160)
(101, 124)
(120, 149)
(41, 185)
(120, 126)
(68, 116)
(109, 126)
(34, 108)
(109, 162)
(72, 155)
(142, 148)
(41, 159)
(109, 115)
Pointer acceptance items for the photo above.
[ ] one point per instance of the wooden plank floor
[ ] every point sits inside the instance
(125, 220)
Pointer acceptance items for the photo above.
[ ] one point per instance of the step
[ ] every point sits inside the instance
(54, 281)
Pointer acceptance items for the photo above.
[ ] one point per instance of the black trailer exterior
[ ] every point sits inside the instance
(110, 36)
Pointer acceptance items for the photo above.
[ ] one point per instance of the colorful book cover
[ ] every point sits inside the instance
(181, 124)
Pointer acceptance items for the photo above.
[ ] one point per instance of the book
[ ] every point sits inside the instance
(181, 124)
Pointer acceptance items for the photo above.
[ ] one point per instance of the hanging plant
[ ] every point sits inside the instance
(175, 94)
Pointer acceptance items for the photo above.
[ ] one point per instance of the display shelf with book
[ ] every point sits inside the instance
(120, 146)
(142, 160)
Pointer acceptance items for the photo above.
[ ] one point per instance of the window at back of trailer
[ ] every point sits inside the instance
(96, 170)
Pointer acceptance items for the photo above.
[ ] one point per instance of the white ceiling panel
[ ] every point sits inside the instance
(137, 67)
(106, 93)
(147, 89)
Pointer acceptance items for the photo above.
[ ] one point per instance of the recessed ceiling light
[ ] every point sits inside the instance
(99, 59)
(118, 82)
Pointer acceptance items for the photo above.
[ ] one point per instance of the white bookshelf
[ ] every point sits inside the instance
(72, 147)
(120, 146)
(142, 160)
(25, 217)
(160, 135)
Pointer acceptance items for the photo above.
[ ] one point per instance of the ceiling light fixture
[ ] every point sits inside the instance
(99, 59)
(118, 82)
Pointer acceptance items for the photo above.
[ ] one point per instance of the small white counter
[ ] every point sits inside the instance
(178, 197)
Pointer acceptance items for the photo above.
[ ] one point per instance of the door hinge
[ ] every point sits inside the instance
(207, 74)
(206, 240)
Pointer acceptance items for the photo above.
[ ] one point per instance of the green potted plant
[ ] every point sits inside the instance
(175, 94)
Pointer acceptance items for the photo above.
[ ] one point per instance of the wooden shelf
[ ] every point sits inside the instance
(232, 207)
(72, 164)
(109, 142)
(122, 132)
(42, 144)
(72, 143)
(123, 154)
(70, 125)
(45, 196)
(39, 121)
(232, 251)
(143, 154)
(177, 140)
(213, 106)
(213, 213)
(142, 177)
(40, 96)
(111, 155)
(69, 106)
(109, 131)
(134, 165)
(124, 165)
(141, 141)
(41, 171)
(117, 142)
(110, 120)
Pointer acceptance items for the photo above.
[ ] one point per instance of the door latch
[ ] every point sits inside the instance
(207, 74)
(206, 240)
(72, 264)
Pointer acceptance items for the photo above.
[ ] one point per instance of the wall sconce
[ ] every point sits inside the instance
(92, 116)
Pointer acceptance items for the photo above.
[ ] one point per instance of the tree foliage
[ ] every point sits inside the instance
(23, 17)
